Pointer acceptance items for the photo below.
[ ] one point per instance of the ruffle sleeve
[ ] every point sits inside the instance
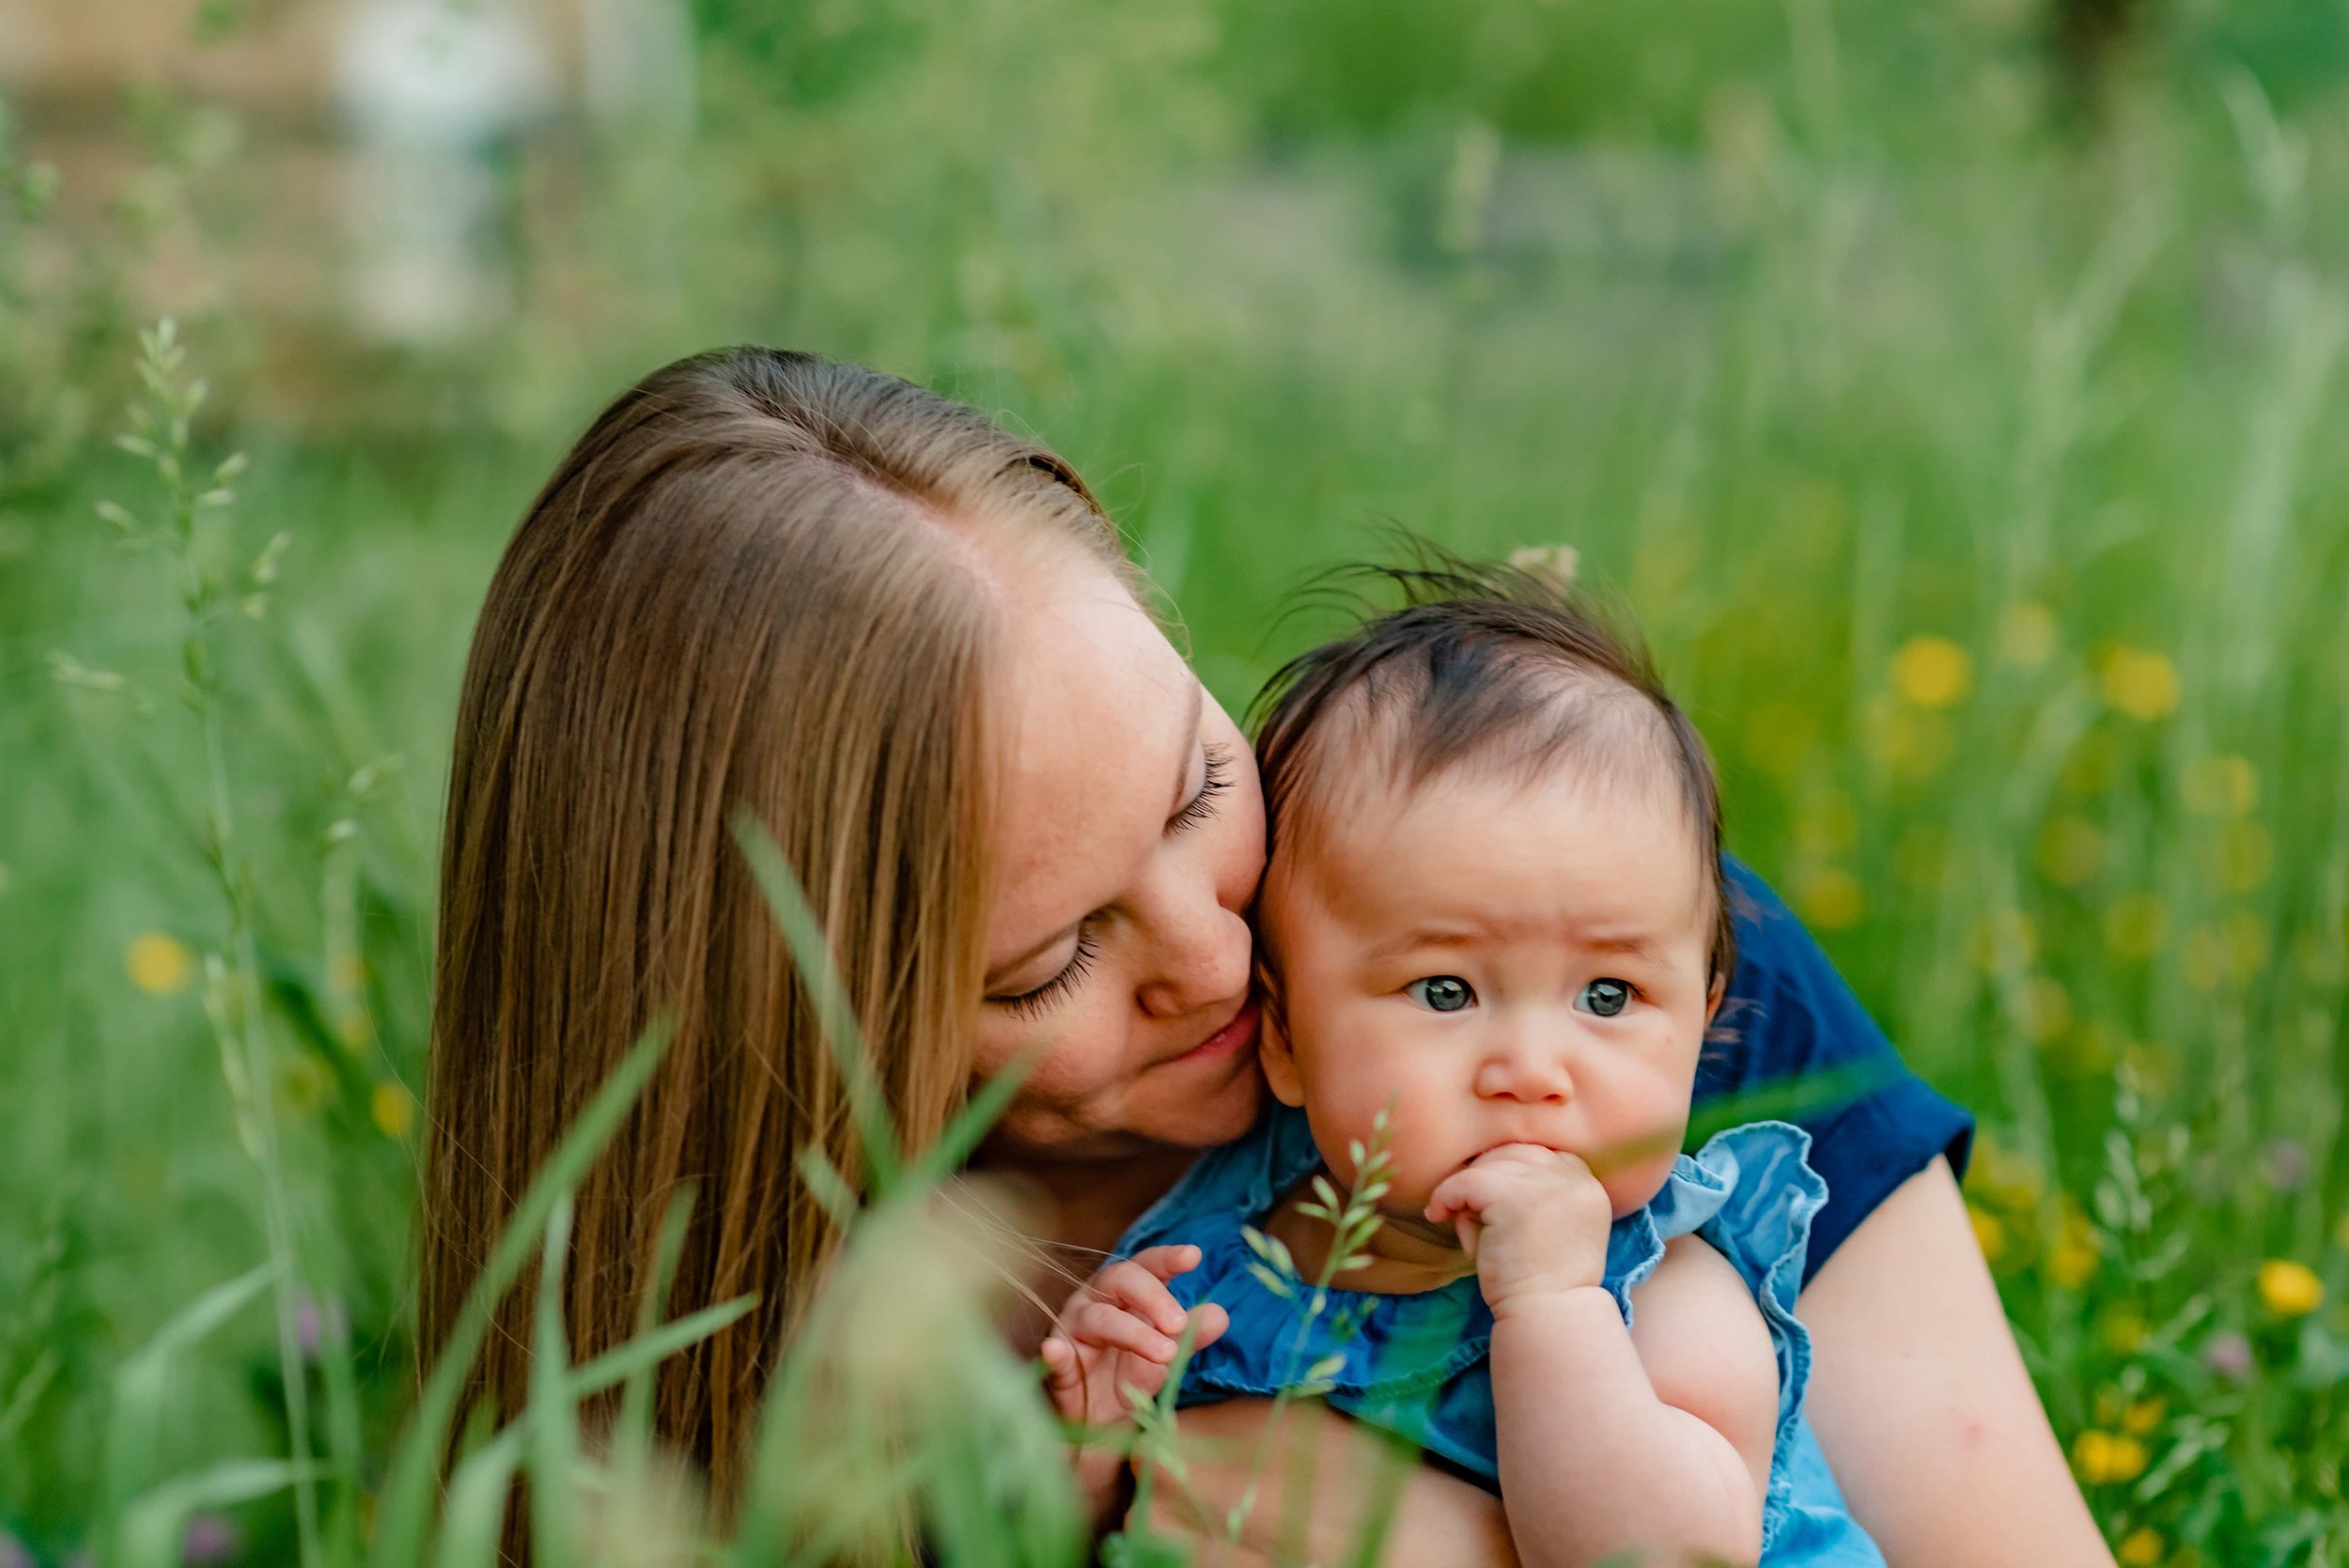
(1751, 1194)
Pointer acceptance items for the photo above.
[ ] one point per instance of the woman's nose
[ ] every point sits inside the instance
(1195, 952)
(1522, 1066)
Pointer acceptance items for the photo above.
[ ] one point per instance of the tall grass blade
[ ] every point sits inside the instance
(155, 1526)
(803, 934)
(635, 1430)
(404, 1515)
(141, 1399)
(553, 1418)
(472, 1519)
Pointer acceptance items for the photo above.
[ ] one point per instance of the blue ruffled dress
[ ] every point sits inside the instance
(1417, 1365)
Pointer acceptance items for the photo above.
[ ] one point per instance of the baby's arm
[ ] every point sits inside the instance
(1611, 1439)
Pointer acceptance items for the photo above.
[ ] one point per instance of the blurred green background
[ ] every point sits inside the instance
(1954, 391)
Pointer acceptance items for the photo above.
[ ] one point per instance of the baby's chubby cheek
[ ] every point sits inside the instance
(1420, 1150)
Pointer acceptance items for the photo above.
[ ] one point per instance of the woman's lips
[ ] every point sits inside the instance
(1232, 1038)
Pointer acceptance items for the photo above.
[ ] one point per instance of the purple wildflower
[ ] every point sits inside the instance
(2287, 1162)
(2229, 1354)
(314, 1323)
(209, 1538)
(14, 1553)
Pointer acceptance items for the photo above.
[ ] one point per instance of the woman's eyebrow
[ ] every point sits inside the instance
(1182, 758)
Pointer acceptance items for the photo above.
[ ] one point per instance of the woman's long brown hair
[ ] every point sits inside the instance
(760, 579)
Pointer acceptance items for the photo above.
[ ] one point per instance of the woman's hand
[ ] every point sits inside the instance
(1921, 1401)
(1119, 1331)
(1319, 1481)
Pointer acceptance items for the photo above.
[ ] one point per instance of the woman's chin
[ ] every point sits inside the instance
(1209, 1109)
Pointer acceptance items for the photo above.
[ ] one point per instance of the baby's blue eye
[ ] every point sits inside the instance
(1441, 993)
(1605, 998)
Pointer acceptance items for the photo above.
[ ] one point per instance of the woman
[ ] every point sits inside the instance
(909, 641)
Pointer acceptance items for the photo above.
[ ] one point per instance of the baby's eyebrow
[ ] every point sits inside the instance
(1468, 934)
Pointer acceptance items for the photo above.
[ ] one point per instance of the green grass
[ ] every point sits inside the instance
(1983, 478)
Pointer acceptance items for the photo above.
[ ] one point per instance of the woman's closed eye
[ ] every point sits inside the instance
(1605, 998)
(1033, 1002)
(1212, 782)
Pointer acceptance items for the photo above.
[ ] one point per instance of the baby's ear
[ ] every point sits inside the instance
(1714, 999)
(1280, 1062)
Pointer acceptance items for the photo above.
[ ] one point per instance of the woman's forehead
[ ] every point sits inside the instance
(1100, 717)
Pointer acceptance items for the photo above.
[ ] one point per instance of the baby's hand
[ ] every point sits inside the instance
(1534, 1221)
(1118, 1330)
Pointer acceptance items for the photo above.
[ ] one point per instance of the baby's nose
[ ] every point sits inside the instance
(1525, 1071)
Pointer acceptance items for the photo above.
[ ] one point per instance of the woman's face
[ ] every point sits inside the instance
(1129, 843)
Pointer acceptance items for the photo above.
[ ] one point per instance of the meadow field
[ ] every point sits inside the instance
(1971, 440)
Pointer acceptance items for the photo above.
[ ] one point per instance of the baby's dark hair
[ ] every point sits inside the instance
(1508, 668)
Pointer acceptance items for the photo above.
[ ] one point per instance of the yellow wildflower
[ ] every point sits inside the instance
(1932, 671)
(2123, 1332)
(2222, 786)
(2108, 1458)
(1832, 899)
(157, 966)
(393, 1109)
(2143, 1547)
(2027, 634)
(2070, 851)
(2289, 1289)
(2007, 1177)
(2144, 1416)
(2141, 683)
(1989, 1233)
(2072, 1261)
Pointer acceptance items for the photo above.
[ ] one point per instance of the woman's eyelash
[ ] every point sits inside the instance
(1203, 804)
(1029, 1005)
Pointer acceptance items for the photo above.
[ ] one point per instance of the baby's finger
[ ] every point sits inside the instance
(1208, 1322)
(1064, 1380)
(1167, 1262)
(1106, 1328)
(1464, 1191)
(1129, 1285)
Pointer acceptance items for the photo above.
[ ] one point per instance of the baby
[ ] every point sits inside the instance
(1495, 933)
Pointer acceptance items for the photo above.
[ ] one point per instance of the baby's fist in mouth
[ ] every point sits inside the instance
(1534, 1222)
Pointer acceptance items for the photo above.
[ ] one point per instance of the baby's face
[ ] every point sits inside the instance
(1500, 963)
